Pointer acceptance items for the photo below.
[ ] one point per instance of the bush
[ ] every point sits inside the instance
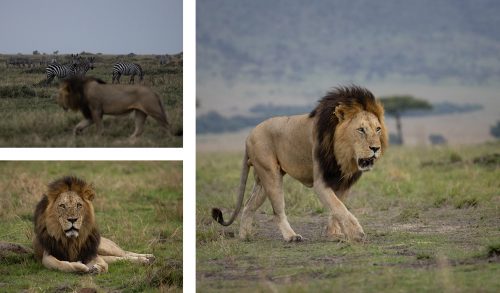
(17, 91)
(495, 130)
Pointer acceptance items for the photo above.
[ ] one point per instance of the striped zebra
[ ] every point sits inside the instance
(62, 71)
(132, 69)
(83, 66)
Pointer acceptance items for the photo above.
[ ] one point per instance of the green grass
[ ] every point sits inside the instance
(431, 216)
(31, 118)
(138, 205)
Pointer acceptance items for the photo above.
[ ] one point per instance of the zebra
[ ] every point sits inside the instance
(62, 71)
(83, 66)
(132, 69)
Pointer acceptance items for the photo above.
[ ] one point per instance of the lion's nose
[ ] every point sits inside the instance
(374, 149)
(72, 220)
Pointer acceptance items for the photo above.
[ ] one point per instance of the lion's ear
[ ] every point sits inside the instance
(88, 192)
(340, 112)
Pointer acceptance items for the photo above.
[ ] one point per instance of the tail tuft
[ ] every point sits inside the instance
(217, 216)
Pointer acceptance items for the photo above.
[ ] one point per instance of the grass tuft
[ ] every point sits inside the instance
(466, 203)
(493, 250)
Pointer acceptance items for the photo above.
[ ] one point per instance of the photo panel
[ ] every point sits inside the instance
(107, 77)
(100, 225)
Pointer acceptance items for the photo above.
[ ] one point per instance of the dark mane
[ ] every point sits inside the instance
(77, 99)
(326, 124)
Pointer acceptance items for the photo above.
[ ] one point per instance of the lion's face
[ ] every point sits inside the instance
(361, 134)
(70, 210)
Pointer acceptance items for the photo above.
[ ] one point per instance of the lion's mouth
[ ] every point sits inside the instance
(71, 232)
(366, 164)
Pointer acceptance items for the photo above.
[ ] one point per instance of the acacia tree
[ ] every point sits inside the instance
(395, 106)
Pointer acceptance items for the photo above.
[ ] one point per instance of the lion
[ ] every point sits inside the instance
(66, 234)
(327, 149)
(94, 98)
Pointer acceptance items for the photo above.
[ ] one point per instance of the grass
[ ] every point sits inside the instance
(430, 214)
(31, 118)
(138, 205)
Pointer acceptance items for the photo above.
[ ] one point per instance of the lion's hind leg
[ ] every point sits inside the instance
(255, 201)
(98, 265)
(111, 252)
(272, 180)
(160, 116)
(140, 119)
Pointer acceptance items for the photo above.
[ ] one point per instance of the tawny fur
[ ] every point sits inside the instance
(69, 202)
(94, 98)
(325, 150)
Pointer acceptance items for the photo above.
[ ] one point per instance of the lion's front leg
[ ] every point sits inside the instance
(81, 126)
(340, 217)
(53, 263)
(97, 118)
(333, 229)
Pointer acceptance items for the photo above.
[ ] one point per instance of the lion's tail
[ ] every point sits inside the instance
(217, 213)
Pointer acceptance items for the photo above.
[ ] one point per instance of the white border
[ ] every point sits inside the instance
(189, 165)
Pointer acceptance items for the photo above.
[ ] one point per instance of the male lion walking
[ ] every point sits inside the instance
(94, 98)
(327, 149)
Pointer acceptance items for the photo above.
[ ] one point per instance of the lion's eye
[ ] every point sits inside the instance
(379, 129)
(361, 130)
(62, 206)
(78, 205)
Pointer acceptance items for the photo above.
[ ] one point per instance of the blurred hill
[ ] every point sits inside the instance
(289, 40)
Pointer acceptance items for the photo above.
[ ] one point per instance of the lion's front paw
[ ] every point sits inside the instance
(96, 269)
(294, 238)
(352, 229)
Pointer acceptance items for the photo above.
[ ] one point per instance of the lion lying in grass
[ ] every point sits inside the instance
(66, 234)
(94, 98)
(327, 149)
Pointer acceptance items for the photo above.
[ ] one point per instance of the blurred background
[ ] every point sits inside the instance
(435, 62)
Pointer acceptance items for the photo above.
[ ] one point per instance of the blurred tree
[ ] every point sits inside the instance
(36, 52)
(395, 106)
(495, 130)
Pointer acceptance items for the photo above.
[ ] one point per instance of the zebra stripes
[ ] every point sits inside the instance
(77, 67)
(132, 69)
(83, 66)
(61, 71)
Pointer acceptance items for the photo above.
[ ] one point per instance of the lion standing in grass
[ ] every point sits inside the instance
(94, 98)
(66, 234)
(327, 149)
